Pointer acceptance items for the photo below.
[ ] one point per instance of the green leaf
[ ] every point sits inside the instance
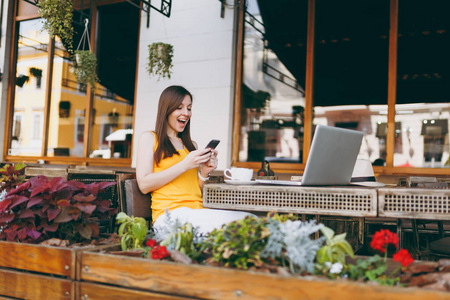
(327, 232)
(347, 248)
(340, 237)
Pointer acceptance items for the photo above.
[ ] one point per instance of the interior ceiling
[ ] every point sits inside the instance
(351, 62)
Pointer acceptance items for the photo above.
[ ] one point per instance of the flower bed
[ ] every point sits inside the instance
(45, 225)
(208, 282)
(257, 258)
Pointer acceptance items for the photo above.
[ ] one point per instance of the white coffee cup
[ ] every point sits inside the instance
(239, 174)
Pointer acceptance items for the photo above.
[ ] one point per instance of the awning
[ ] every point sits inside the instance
(119, 135)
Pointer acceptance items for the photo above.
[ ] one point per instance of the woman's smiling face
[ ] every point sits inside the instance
(179, 118)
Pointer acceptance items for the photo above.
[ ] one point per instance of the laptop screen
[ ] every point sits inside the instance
(332, 156)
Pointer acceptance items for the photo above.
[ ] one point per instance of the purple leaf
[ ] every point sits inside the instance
(95, 229)
(33, 234)
(82, 198)
(85, 231)
(50, 227)
(64, 216)
(4, 204)
(11, 235)
(7, 218)
(27, 213)
(92, 188)
(53, 213)
(88, 208)
(17, 200)
(22, 233)
(40, 190)
(35, 200)
(21, 187)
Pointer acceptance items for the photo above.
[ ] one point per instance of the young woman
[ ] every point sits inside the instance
(170, 167)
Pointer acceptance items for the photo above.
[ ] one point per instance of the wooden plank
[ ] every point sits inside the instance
(93, 291)
(221, 283)
(309, 80)
(392, 83)
(37, 258)
(61, 261)
(31, 286)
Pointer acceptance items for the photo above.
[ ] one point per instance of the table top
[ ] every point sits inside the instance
(344, 201)
(357, 201)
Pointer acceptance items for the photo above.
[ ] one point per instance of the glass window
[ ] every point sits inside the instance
(29, 101)
(110, 126)
(111, 132)
(66, 100)
(351, 70)
(423, 67)
(274, 67)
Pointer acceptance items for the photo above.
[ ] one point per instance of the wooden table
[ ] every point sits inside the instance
(355, 201)
(332, 201)
(414, 203)
(345, 205)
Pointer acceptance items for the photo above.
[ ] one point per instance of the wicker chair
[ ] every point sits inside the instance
(137, 203)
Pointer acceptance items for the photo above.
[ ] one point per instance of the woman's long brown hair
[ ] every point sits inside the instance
(170, 99)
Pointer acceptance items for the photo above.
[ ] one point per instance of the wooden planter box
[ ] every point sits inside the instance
(221, 283)
(30, 271)
(23, 285)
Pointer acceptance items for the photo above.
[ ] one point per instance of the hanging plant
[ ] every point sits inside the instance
(160, 60)
(36, 72)
(58, 15)
(86, 67)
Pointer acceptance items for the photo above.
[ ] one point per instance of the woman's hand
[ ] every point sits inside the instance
(210, 165)
(197, 158)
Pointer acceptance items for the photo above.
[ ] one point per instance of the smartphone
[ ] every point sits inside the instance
(212, 144)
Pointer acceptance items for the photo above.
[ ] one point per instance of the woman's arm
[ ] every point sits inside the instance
(149, 181)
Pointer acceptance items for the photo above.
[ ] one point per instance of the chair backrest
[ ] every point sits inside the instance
(138, 204)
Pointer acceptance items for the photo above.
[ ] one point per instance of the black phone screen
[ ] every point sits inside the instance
(213, 144)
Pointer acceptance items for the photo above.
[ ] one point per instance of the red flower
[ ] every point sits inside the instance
(151, 243)
(382, 238)
(160, 252)
(403, 257)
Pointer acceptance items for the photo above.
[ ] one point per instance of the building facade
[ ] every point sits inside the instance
(263, 74)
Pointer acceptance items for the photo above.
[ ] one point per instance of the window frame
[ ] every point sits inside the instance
(24, 11)
(389, 168)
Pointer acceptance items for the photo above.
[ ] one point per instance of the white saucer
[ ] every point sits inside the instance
(236, 182)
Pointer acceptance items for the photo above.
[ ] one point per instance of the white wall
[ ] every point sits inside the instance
(203, 63)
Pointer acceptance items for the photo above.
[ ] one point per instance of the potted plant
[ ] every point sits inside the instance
(40, 209)
(62, 217)
(58, 15)
(85, 68)
(11, 176)
(160, 57)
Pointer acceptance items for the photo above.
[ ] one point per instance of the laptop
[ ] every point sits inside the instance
(331, 160)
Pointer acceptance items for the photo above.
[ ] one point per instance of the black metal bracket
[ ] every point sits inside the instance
(165, 9)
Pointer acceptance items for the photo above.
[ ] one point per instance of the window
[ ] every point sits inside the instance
(82, 88)
(37, 125)
(272, 92)
(372, 63)
(69, 107)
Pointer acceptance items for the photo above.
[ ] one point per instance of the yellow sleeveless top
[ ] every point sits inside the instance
(183, 191)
